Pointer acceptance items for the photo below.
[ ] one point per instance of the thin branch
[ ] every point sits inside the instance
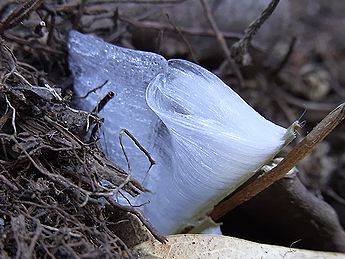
(137, 143)
(302, 149)
(74, 139)
(93, 90)
(184, 39)
(240, 48)
(13, 116)
(302, 103)
(34, 239)
(143, 220)
(4, 118)
(7, 53)
(222, 41)
(57, 230)
(185, 30)
(31, 44)
(159, 2)
(8, 183)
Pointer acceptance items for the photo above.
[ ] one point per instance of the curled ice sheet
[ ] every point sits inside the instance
(205, 139)
(218, 142)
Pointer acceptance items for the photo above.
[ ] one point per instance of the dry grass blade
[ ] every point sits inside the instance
(302, 149)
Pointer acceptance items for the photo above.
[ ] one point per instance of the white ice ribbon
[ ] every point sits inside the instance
(205, 139)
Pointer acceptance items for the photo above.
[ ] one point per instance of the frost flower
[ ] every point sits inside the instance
(205, 139)
(217, 142)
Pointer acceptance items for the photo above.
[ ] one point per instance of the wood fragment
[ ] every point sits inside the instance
(103, 102)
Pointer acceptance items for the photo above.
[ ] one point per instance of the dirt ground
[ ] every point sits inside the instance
(51, 205)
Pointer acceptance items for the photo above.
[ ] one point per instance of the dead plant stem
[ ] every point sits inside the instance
(302, 149)
(240, 48)
(222, 41)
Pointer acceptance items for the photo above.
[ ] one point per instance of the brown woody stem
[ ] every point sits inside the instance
(302, 149)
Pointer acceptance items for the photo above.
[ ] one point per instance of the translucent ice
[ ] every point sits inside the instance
(128, 73)
(205, 139)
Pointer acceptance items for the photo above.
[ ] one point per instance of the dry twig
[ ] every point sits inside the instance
(240, 48)
(222, 41)
(302, 149)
